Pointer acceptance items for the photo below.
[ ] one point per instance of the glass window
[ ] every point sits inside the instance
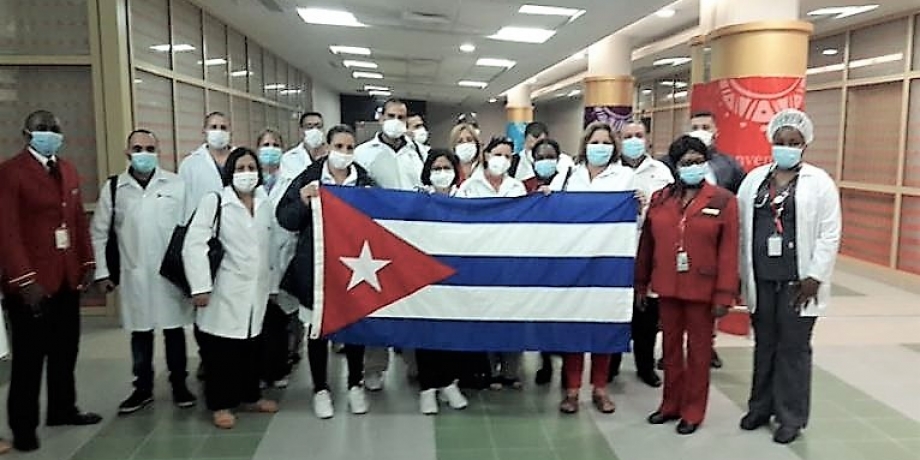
(187, 42)
(239, 69)
(662, 131)
(912, 160)
(218, 101)
(190, 114)
(241, 126)
(909, 244)
(664, 92)
(25, 27)
(825, 59)
(67, 91)
(872, 128)
(824, 107)
(878, 50)
(153, 100)
(150, 32)
(271, 84)
(256, 73)
(257, 117)
(215, 35)
(868, 219)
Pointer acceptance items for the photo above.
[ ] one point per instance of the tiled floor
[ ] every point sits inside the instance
(866, 405)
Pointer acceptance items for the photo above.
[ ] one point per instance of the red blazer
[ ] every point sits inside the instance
(32, 206)
(710, 240)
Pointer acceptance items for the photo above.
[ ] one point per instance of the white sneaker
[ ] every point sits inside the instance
(357, 401)
(322, 405)
(453, 397)
(428, 401)
(373, 381)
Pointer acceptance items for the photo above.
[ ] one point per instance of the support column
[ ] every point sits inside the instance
(609, 84)
(519, 111)
(758, 61)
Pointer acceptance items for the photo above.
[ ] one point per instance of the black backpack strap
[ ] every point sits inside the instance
(515, 162)
(113, 186)
(218, 215)
(568, 175)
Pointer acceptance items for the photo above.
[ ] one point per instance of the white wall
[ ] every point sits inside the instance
(443, 117)
(565, 118)
(326, 101)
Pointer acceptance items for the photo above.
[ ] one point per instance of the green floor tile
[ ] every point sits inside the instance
(869, 409)
(141, 424)
(810, 449)
(897, 428)
(844, 430)
(109, 448)
(911, 445)
(468, 454)
(594, 448)
(199, 426)
(224, 446)
(468, 437)
(172, 448)
(519, 437)
(528, 454)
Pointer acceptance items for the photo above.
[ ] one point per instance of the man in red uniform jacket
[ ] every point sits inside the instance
(46, 259)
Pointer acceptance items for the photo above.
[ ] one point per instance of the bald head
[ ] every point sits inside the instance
(633, 129)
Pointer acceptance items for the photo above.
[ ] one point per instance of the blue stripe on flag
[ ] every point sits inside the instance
(558, 208)
(540, 271)
(571, 337)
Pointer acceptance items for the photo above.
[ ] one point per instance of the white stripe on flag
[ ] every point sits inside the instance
(477, 303)
(512, 239)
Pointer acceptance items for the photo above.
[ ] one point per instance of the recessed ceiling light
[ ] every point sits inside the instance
(379, 93)
(286, 92)
(215, 61)
(371, 75)
(523, 34)
(492, 100)
(574, 92)
(138, 81)
(674, 61)
(830, 52)
(573, 13)
(329, 17)
(375, 88)
(646, 91)
(467, 47)
(240, 73)
(666, 13)
(840, 12)
(360, 64)
(493, 62)
(182, 47)
(357, 50)
(472, 84)
(274, 86)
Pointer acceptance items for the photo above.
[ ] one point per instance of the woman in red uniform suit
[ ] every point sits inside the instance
(688, 254)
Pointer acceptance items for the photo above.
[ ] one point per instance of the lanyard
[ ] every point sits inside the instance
(778, 202)
(682, 226)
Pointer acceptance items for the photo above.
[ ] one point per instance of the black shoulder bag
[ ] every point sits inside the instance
(173, 266)
(112, 255)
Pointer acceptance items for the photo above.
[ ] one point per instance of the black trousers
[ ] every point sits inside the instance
(142, 355)
(437, 368)
(474, 369)
(55, 336)
(275, 362)
(318, 354)
(232, 376)
(644, 331)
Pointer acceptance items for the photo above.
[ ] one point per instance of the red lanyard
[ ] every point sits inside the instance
(778, 203)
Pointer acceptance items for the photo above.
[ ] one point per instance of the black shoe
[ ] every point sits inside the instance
(660, 364)
(650, 378)
(716, 362)
(685, 428)
(657, 418)
(544, 376)
(25, 443)
(785, 435)
(77, 419)
(183, 398)
(751, 422)
(137, 401)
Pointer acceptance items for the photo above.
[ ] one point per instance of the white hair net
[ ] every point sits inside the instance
(791, 118)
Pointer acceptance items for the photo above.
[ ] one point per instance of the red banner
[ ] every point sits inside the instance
(743, 107)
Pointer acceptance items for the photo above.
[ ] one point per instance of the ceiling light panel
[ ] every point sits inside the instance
(841, 12)
(673, 61)
(472, 84)
(523, 34)
(359, 64)
(666, 13)
(180, 48)
(495, 62)
(539, 10)
(323, 16)
(375, 88)
(371, 75)
(355, 50)
(467, 47)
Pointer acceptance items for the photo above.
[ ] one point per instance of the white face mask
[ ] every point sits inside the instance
(245, 182)
(704, 136)
(443, 178)
(421, 135)
(498, 165)
(313, 138)
(394, 128)
(466, 151)
(218, 138)
(339, 160)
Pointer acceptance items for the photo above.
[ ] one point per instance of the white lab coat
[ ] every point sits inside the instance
(144, 222)
(283, 246)
(201, 176)
(239, 293)
(391, 170)
(817, 226)
(478, 186)
(616, 178)
(295, 161)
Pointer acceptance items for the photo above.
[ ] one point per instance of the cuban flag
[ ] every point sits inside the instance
(414, 270)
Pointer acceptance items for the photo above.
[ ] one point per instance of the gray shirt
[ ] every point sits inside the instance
(785, 267)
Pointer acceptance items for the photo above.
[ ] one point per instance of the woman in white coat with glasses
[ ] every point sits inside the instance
(790, 234)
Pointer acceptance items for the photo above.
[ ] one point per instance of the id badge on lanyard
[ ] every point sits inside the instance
(682, 261)
(777, 206)
(62, 238)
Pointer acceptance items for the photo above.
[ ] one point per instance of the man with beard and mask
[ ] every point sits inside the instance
(393, 161)
(202, 169)
(419, 133)
(310, 149)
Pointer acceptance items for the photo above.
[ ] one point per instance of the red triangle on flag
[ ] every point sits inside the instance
(367, 267)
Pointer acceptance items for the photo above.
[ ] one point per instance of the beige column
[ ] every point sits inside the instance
(519, 112)
(609, 84)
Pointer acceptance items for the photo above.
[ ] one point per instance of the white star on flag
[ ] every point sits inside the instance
(364, 268)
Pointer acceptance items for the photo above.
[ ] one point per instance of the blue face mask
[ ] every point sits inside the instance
(633, 148)
(270, 156)
(545, 168)
(599, 154)
(46, 143)
(144, 162)
(787, 157)
(693, 175)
